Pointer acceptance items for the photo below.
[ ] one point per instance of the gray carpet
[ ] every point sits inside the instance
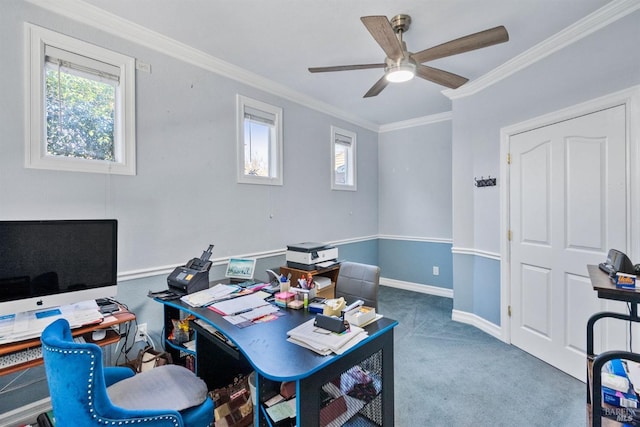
(452, 374)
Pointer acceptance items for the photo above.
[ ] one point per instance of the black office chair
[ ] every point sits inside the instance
(358, 281)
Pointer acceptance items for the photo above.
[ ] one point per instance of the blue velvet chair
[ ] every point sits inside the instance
(84, 393)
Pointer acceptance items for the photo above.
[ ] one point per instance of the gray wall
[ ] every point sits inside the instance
(415, 184)
(415, 205)
(603, 62)
(184, 195)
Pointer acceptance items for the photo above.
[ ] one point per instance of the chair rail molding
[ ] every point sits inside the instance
(476, 252)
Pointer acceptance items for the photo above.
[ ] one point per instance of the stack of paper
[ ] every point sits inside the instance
(30, 324)
(210, 295)
(325, 342)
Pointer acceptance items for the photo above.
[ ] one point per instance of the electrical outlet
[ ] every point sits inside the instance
(141, 333)
(436, 270)
(143, 66)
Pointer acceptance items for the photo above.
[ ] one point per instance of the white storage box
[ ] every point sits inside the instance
(360, 316)
(321, 281)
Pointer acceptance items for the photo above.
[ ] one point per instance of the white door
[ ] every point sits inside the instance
(567, 201)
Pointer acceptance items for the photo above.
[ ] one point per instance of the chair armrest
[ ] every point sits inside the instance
(113, 374)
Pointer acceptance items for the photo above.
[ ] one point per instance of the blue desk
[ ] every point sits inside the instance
(264, 347)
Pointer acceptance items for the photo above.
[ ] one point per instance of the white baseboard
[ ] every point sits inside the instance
(26, 414)
(456, 315)
(417, 287)
(480, 323)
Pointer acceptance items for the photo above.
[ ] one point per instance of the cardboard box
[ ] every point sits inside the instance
(625, 281)
(619, 399)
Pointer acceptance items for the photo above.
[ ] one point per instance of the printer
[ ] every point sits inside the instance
(193, 276)
(311, 255)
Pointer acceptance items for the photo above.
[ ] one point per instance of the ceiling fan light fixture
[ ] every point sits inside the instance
(401, 72)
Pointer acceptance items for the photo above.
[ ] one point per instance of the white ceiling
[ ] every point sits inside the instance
(280, 39)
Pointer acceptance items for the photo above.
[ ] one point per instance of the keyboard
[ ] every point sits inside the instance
(19, 357)
(26, 355)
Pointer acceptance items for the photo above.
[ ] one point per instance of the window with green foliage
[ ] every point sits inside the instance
(80, 113)
(86, 121)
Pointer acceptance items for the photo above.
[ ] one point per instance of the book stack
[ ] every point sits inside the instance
(284, 298)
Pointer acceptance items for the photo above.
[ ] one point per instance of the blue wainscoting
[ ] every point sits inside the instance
(365, 251)
(412, 261)
(477, 287)
(486, 289)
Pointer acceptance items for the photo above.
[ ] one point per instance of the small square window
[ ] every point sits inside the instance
(81, 100)
(343, 159)
(259, 142)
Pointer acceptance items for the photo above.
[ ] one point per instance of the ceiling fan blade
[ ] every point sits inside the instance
(463, 44)
(344, 68)
(380, 29)
(377, 88)
(441, 77)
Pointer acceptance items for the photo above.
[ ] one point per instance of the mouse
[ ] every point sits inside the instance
(98, 334)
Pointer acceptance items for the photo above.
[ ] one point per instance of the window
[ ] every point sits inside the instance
(259, 142)
(343, 159)
(81, 106)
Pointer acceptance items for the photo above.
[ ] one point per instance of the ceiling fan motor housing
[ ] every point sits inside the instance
(400, 23)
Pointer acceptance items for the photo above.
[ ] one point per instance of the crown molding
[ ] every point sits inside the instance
(418, 121)
(95, 17)
(591, 23)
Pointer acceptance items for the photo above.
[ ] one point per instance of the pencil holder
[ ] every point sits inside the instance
(284, 286)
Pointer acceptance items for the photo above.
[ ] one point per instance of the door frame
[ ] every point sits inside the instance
(631, 99)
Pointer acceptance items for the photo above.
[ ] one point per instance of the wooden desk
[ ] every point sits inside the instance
(264, 348)
(606, 289)
(330, 272)
(112, 337)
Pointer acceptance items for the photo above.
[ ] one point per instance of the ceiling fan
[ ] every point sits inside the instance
(401, 65)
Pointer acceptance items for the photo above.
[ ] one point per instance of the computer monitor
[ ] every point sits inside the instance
(50, 263)
(240, 269)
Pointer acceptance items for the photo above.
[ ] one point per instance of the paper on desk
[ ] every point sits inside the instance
(30, 324)
(325, 342)
(207, 296)
(238, 305)
(324, 351)
(259, 312)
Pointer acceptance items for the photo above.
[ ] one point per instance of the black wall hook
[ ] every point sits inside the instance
(485, 182)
